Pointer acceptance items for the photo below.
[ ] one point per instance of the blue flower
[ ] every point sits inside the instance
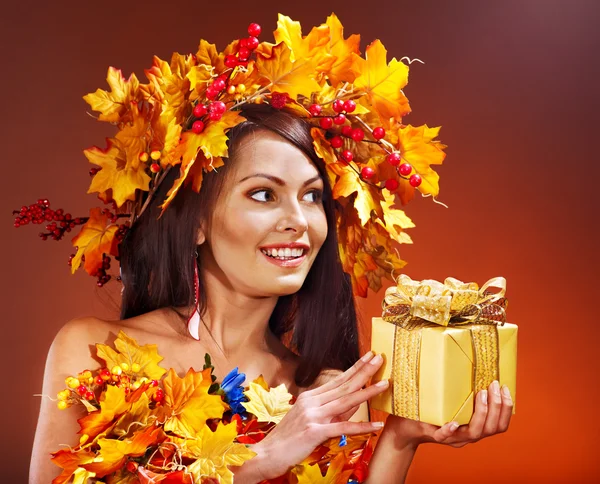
(343, 441)
(233, 388)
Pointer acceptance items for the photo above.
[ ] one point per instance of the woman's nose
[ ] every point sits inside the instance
(293, 218)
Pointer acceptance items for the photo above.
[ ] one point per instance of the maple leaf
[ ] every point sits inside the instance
(309, 47)
(187, 403)
(116, 173)
(215, 451)
(130, 352)
(393, 218)
(204, 148)
(342, 49)
(420, 150)
(113, 453)
(308, 474)
(267, 406)
(112, 405)
(70, 461)
(138, 415)
(113, 105)
(95, 239)
(382, 82)
(368, 198)
(283, 75)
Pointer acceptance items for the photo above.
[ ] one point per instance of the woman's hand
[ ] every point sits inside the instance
(489, 418)
(318, 415)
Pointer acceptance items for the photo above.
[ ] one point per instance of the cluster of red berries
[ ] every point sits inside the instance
(245, 47)
(40, 212)
(86, 385)
(342, 108)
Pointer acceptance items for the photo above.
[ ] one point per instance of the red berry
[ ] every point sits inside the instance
(154, 168)
(214, 116)
(252, 43)
(315, 109)
(217, 107)
(378, 132)
(347, 130)
(347, 155)
(415, 180)
(211, 93)
(339, 119)
(218, 84)
(349, 106)
(254, 29)
(243, 53)
(82, 390)
(391, 184)
(367, 172)
(198, 126)
(358, 134)
(405, 169)
(199, 110)
(99, 380)
(336, 142)
(89, 395)
(278, 100)
(393, 158)
(326, 122)
(338, 105)
(154, 383)
(231, 60)
(243, 42)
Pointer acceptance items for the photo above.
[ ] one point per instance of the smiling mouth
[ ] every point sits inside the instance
(284, 254)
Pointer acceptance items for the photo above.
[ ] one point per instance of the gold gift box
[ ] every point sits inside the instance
(441, 366)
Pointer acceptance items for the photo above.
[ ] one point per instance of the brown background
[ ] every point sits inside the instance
(514, 85)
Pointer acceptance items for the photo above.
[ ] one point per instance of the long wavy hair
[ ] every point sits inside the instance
(318, 322)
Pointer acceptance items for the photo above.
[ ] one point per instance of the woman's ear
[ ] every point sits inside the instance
(201, 238)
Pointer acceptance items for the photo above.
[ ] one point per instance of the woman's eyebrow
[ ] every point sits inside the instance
(278, 180)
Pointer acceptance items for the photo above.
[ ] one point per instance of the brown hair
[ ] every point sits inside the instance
(157, 258)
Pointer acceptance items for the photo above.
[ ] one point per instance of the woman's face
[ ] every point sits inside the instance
(269, 223)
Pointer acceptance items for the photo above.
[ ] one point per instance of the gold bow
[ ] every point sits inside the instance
(414, 305)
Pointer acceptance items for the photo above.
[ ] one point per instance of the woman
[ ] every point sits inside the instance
(271, 195)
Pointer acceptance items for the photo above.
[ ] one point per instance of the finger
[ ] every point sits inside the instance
(347, 402)
(445, 432)
(357, 381)
(474, 430)
(506, 411)
(346, 415)
(350, 428)
(344, 377)
(494, 406)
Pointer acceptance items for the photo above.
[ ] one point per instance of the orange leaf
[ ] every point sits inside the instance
(70, 461)
(335, 474)
(116, 172)
(342, 49)
(368, 198)
(113, 105)
(283, 75)
(112, 406)
(94, 240)
(383, 83)
(187, 403)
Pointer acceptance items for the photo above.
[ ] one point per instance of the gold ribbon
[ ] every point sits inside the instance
(414, 305)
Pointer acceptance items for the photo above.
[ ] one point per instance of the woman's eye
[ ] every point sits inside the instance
(262, 195)
(313, 196)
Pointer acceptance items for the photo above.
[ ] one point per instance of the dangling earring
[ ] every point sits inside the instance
(193, 323)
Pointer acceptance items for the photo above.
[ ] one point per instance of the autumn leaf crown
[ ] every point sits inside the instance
(180, 119)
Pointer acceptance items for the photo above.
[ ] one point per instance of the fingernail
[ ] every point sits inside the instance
(377, 424)
(453, 426)
(506, 392)
(368, 356)
(496, 387)
(376, 360)
(382, 383)
(484, 396)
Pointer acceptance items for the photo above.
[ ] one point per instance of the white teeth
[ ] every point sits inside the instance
(282, 253)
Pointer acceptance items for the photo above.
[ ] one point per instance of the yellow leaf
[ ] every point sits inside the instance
(94, 240)
(112, 405)
(268, 406)
(342, 49)
(418, 148)
(214, 451)
(286, 76)
(394, 218)
(368, 198)
(207, 147)
(383, 83)
(113, 105)
(260, 380)
(188, 404)
(69, 461)
(308, 474)
(139, 415)
(116, 173)
(130, 352)
(133, 138)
